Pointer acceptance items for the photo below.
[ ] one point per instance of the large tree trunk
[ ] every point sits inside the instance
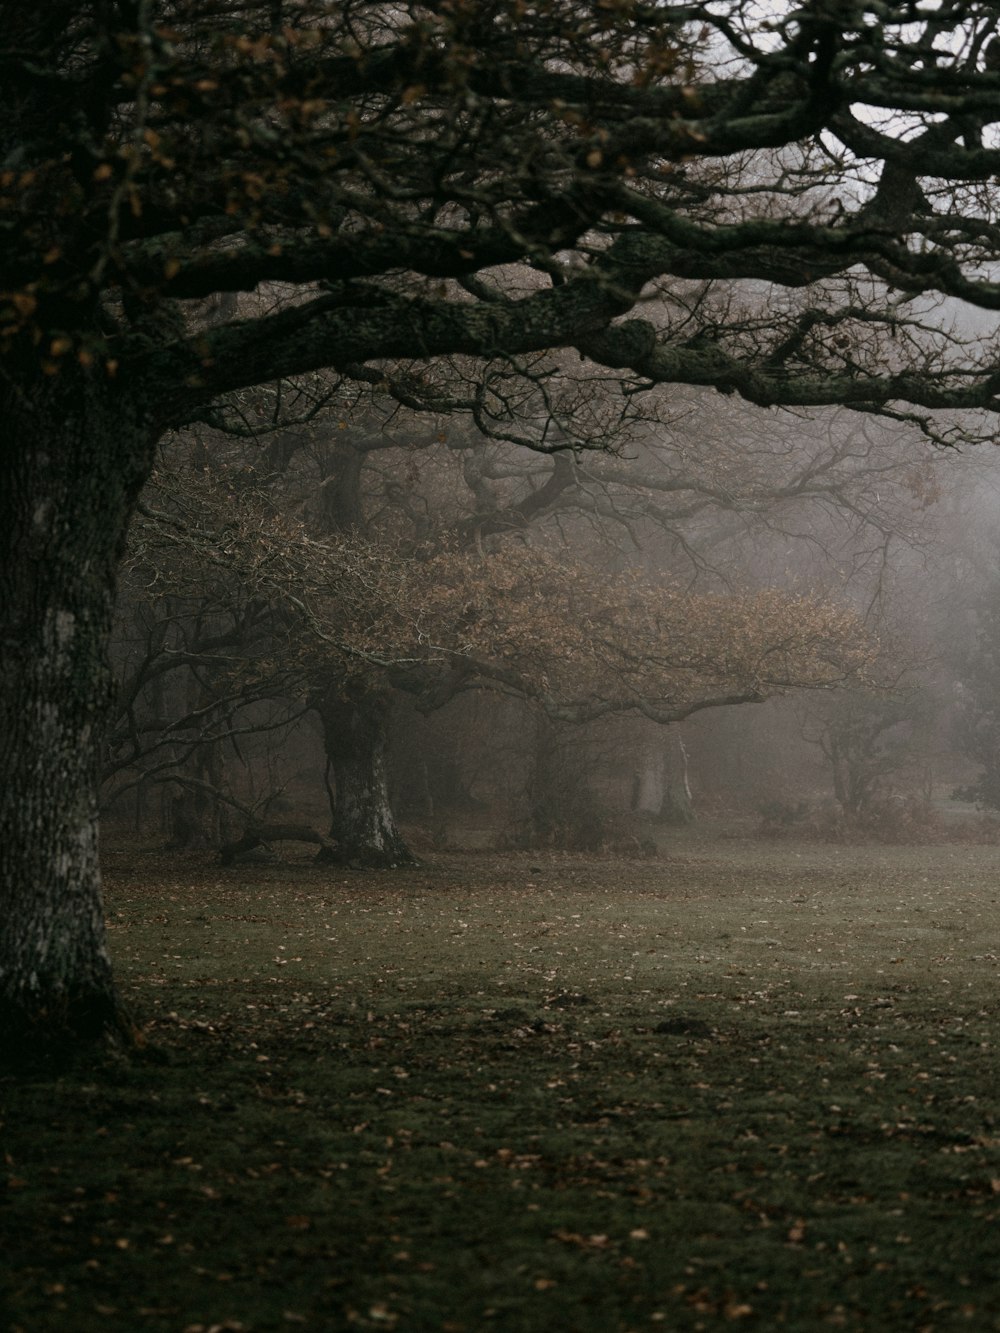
(354, 731)
(75, 457)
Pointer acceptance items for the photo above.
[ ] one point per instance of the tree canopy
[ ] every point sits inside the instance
(760, 199)
(537, 620)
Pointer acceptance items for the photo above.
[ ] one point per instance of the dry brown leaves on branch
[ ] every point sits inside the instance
(521, 617)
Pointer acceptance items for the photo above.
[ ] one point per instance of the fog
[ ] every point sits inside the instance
(380, 633)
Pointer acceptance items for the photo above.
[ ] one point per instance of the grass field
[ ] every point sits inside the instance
(744, 1084)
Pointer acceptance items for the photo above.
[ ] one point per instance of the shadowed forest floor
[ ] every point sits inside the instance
(743, 1084)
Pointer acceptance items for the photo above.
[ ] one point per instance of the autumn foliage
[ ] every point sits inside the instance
(519, 615)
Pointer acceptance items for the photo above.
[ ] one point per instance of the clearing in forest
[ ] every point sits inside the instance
(739, 1084)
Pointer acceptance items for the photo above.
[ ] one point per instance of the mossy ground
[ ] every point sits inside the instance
(739, 1085)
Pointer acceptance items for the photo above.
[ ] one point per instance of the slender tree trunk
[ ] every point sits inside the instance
(648, 784)
(75, 460)
(354, 731)
(678, 804)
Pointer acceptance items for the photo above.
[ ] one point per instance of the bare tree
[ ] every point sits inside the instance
(345, 621)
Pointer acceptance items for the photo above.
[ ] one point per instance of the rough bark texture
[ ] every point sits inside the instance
(363, 826)
(64, 465)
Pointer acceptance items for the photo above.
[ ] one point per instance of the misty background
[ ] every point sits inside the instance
(226, 725)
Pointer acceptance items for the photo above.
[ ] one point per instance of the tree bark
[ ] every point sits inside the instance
(678, 804)
(648, 783)
(74, 451)
(362, 824)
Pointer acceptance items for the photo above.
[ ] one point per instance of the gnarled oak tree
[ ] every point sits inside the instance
(402, 184)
